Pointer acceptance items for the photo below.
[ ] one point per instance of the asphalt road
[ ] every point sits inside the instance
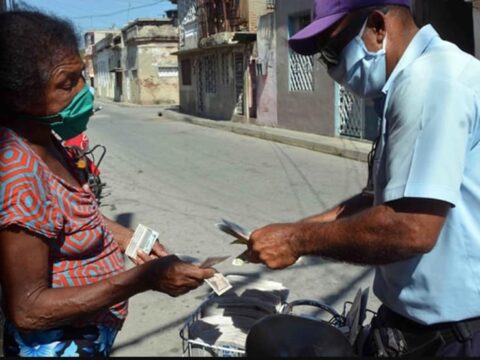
(181, 179)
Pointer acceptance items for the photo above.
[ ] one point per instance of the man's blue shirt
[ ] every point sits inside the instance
(429, 148)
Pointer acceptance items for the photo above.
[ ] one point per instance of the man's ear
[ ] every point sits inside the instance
(376, 23)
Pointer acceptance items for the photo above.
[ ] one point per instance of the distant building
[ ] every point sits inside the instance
(217, 38)
(91, 38)
(108, 69)
(150, 70)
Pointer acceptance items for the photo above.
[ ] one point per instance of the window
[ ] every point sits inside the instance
(186, 72)
(168, 71)
(211, 74)
(300, 68)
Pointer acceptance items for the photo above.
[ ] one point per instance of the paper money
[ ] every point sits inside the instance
(143, 239)
(241, 259)
(241, 234)
(212, 261)
(219, 284)
(235, 230)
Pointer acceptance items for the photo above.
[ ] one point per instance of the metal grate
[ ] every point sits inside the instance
(300, 72)
(210, 74)
(350, 113)
(239, 74)
(224, 68)
(200, 75)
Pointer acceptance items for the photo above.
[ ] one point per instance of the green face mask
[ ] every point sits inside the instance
(72, 120)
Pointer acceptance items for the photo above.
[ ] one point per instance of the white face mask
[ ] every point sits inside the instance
(361, 71)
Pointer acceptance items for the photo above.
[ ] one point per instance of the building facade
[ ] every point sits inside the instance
(217, 39)
(135, 64)
(91, 38)
(294, 91)
(150, 69)
(107, 64)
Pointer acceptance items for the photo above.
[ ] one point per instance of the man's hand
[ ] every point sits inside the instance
(174, 277)
(275, 245)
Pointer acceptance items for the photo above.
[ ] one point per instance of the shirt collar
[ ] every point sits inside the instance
(415, 49)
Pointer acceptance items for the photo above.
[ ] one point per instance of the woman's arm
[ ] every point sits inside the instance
(30, 304)
(122, 236)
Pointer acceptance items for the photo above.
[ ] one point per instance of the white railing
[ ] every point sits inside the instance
(350, 111)
(300, 72)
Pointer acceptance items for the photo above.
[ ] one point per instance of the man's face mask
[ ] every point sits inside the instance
(361, 71)
(72, 120)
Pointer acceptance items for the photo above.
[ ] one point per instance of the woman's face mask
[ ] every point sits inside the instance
(72, 120)
(361, 71)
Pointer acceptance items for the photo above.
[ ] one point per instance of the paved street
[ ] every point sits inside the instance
(181, 179)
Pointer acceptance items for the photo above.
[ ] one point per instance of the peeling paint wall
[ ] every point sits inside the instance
(158, 74)
(105, 80)
(212, 92)
(267, 72)
(151, 71)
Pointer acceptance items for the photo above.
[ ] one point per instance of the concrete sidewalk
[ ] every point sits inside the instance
(350, 149)
(344, 147)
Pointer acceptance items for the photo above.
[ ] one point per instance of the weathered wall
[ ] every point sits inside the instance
(256, 8)
(157, 85)
(151, 72)
(105, 80)
(267, 72)
(188, 26)
(212, 93)
(130, 79)
(303, 111)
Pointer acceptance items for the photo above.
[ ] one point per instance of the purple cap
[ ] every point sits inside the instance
(327, 13)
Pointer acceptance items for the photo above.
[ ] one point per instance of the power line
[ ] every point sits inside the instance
(119, 11)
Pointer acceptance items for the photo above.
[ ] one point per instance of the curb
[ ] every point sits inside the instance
(101, 100)
(346, 148)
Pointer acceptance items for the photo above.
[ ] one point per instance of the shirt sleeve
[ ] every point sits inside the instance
(24, 193)
(429, 122)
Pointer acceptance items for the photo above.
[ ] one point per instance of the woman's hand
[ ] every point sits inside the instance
(158, 251)
(174, 277)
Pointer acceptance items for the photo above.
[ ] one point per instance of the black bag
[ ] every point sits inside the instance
(289, 335)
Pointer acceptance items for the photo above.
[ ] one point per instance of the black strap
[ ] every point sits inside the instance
(461, 331)
(419, 339)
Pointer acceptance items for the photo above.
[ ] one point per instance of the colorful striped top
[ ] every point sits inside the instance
(82, 250)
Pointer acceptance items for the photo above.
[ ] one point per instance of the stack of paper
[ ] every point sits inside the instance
(226, 320)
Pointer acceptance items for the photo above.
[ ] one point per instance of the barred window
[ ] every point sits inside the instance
(300, 68)
(186, 72)
(210, 74)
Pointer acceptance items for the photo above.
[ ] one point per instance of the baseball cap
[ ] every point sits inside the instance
(327, 13)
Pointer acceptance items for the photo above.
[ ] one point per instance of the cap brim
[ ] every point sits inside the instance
(304, 42)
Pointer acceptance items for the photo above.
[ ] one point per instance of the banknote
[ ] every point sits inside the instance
(241, 259)
(242, 238)
(219, 284)
(241, 234)
(143, 239)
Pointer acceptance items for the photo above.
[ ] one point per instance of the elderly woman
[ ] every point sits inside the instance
(65, 287)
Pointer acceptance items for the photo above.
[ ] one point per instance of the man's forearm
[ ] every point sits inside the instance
(372, 237)
(347, 208)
